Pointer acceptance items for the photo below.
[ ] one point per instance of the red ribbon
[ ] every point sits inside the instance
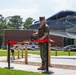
(12, 42)
(44, 40)
(37, 41)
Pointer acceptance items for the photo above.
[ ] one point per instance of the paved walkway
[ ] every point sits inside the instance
(36, 58)
(63, 60)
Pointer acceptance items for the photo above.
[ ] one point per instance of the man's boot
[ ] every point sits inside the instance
(42, 68)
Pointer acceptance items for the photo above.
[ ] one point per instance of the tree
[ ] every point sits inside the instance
(2, 27)
(27, 22)
(14, 22)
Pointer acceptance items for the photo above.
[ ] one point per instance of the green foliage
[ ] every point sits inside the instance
(1, 40)
(27, 22)
(14, 22)
(2, 27)
(2, 24)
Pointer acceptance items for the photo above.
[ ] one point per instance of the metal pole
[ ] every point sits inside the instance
(47, 56)
(8, 55)
(9, 58)
(47, 65)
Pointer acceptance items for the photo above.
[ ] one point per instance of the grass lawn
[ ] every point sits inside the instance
(60, 53)
(17, 72)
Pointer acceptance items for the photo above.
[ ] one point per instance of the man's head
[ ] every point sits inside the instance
(42, 20)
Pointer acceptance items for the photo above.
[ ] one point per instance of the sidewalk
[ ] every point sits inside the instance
(65, 60)
(56, 71)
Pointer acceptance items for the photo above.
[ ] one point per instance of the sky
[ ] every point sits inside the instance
(35, 8)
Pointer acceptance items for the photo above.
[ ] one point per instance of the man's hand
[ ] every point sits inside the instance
(44, 36)
(34, 34)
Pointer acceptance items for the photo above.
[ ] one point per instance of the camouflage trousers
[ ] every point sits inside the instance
(43, 54)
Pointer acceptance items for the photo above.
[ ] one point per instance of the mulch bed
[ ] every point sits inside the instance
(38, 64)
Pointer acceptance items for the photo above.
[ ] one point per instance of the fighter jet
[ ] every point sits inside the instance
(61, 24)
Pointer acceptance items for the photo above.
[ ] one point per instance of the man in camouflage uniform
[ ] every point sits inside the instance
(43, 32)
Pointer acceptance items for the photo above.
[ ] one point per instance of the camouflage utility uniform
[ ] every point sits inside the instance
(41, 31)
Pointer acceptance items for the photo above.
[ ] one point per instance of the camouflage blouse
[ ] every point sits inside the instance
(43, 30)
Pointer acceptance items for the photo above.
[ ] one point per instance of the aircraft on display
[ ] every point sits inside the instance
(61, 24)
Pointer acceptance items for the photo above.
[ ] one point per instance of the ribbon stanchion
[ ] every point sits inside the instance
(9, 56)
(46, 40)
